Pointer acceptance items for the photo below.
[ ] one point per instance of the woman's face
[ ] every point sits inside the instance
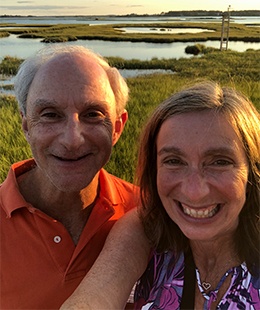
(202, 173)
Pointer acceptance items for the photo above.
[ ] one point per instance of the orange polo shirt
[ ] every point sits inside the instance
(40, 265)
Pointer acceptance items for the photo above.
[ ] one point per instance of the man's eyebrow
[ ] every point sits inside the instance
(44, 103)
(41, 104)
(97, 103)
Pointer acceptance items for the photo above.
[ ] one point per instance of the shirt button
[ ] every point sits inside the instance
(57, 239)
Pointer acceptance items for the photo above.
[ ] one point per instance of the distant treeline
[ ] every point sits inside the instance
(200, 13)
(170, 13)
(211, 13)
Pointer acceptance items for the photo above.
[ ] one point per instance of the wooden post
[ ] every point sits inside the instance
(225, 29)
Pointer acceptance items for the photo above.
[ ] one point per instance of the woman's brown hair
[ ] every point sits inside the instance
(163, 233)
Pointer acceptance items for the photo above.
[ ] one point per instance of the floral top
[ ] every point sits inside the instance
(161, 286)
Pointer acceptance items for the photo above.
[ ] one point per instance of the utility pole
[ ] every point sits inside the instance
(225, 29)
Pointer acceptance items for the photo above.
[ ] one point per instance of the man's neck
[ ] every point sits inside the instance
(72, 209)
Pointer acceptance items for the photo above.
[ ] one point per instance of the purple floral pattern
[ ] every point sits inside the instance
(161, 286)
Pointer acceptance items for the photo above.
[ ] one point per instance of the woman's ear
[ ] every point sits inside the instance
(119, 126)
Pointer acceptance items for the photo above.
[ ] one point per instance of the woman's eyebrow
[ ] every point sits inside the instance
(169, 149)
(223, 150)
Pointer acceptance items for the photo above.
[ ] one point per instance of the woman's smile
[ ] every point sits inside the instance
(207, 212)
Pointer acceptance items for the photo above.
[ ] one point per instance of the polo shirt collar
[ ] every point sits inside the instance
(11, 198)
(108, 189)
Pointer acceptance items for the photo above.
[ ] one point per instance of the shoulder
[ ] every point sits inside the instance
(10, 195)
(162, 282)
(119, 182)
(167, 264)
(19, 168)
(126, 191)
(244, 290)
(249, 280)
(163, 268)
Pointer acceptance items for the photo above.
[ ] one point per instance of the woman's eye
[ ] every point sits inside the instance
(222, 162)
(173, 162)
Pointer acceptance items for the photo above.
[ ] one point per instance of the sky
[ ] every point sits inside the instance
(117, 7)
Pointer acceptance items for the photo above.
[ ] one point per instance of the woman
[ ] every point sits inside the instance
(202, 198)
(198, 171)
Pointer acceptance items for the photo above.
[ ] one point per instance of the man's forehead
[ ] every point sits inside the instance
(71, 67)
(72, 60)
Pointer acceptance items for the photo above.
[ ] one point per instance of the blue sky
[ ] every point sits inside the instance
(103, 7)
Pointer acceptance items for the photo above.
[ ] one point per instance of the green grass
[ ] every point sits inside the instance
(237, 32)
(13, 145)
(9, 65)
(240, 70)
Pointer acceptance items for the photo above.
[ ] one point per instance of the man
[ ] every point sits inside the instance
(58, 208)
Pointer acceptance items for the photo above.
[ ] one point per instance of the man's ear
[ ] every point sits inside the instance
(25, 127)
(119, 126)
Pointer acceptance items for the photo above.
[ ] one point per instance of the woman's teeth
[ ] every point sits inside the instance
(207, 213)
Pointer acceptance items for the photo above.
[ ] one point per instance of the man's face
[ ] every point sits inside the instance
(70, 121)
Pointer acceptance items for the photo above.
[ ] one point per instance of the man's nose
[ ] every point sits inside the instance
(73, 133)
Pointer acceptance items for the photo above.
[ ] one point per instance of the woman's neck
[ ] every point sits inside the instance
(214, 262)
(213, 259)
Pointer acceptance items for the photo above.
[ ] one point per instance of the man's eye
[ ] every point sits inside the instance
(49, 115)
(95, 114)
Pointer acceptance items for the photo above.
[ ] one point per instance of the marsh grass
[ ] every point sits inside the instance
(9, 65)
(213, 64)
(237, 32)
(13, 145)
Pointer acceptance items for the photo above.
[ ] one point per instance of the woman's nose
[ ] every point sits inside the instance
(195, 185)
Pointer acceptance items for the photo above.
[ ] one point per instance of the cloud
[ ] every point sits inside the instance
(135, 6)
(40, 7)
(128, 6)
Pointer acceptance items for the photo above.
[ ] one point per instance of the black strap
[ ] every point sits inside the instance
(188, 295)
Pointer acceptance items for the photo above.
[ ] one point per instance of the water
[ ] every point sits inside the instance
(23, 48)
(162, 30)
(100, 20)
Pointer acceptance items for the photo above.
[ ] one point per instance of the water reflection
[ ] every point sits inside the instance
(101, 20)
(23, 48)
(6, 83)
(163, 30)
(127, 73)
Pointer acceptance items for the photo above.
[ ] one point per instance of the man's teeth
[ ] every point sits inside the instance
(71, 159)
(200, 213)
